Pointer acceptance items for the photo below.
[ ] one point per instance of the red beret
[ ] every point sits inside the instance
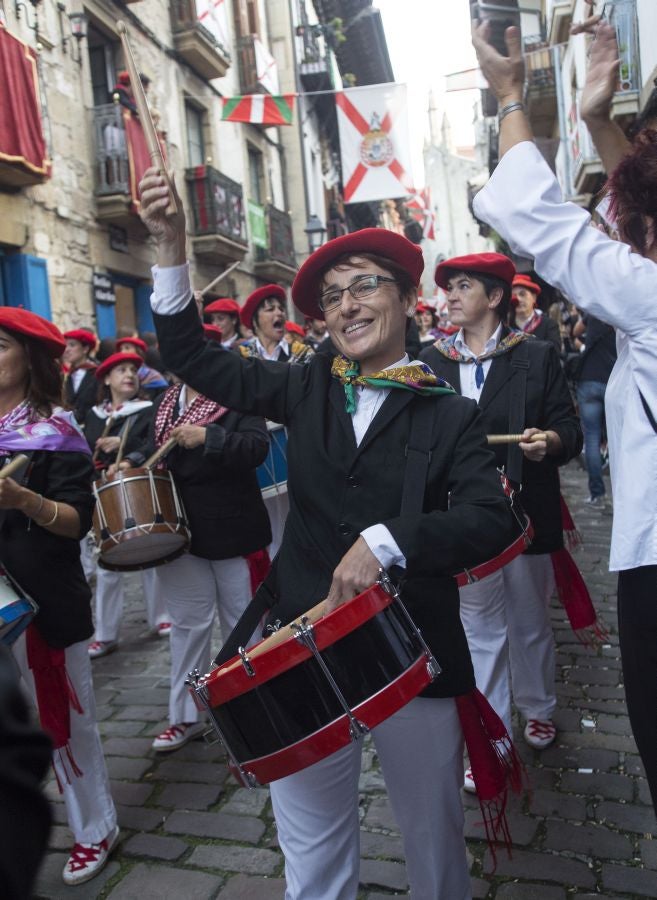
(495, 264)
(82, 336)
(525, 281)
(295, 329)
(254, 300)
(213, 333)
(21, 321)
(134, 342)
(115, 360)
(424, 307)
(224, 305)
(305, 289)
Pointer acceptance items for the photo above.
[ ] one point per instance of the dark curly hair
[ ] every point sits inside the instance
(632, 190)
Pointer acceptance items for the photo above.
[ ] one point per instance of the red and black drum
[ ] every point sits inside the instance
(315, 685)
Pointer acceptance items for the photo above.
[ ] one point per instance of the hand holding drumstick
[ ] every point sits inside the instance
(533, 442)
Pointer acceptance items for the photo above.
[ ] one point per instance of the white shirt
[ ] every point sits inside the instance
(273, 356)
(171, 294)
(468, 371)
(76, 377)
(522, 201)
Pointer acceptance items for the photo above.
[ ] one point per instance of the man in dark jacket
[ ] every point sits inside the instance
(80, 385)
(349, 422)
(519, 386)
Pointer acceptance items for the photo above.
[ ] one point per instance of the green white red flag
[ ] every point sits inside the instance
(259, 109)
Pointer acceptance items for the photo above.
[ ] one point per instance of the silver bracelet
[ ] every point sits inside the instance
(509, 108)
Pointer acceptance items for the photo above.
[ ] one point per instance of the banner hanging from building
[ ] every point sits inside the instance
(374, 143)
(421, 211)
(22, 143)
(213, 16)
(258, 109)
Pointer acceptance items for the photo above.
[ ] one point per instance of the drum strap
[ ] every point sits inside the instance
(263, 600)
(517, 397)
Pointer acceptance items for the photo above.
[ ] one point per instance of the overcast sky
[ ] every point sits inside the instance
(428, 39)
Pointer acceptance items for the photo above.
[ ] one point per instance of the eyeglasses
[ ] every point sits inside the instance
(362, 287)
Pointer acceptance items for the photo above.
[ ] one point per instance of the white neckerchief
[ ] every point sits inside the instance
(126, 409)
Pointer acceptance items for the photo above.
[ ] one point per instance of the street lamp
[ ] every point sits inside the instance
(315, 229)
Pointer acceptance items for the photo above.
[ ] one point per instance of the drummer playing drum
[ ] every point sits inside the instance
(349, 422)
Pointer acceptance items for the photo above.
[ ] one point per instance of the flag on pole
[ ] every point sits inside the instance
(420, 209)
(259, 109)
(374, 142)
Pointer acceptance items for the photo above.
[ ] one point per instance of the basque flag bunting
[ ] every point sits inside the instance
(259, 109)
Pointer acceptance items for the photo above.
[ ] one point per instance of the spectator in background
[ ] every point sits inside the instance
(526, 316)
(595, 364)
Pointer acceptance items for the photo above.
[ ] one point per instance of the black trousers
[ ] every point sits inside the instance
(637, 630)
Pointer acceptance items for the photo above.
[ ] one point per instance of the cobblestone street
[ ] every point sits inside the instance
(189, 832)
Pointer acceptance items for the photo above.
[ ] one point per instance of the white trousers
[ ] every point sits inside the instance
(507, 623)
(89, 805)
(277, 508)
(195, 590)
(421, 753)
(110, 595)
(88, 556)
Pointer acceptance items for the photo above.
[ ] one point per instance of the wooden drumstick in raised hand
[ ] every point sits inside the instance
(152, 140)
(161, 452)
(515, 438)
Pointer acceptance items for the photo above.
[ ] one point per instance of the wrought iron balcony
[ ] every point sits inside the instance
(278, 261)
(540, 85)
(197, 45)
(112, 182)
(217, 202)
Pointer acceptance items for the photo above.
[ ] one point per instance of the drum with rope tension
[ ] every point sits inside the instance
(139, 521)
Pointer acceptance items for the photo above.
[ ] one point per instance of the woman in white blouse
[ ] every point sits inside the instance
(614, 281)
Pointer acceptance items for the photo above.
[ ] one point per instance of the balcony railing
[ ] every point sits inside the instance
(539, 65)
(281, 242)
(217, 204)
(197, 44)
(624, 17)
(112, 169)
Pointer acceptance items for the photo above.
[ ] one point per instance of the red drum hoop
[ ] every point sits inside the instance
(315, 685)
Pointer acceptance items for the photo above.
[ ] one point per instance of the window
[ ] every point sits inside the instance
(102, 65)
(195, 138)
(247, 20)
(256, 175)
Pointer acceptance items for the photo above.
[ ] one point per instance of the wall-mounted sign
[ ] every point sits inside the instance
(103, 288)
(118, 238)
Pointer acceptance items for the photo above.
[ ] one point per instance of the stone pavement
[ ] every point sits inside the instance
(189, 832)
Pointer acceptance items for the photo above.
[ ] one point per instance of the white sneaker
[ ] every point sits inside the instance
(540, 733)
(87, 860)
(469, 782)
(163, 629)
(101, 648)
(176, 736)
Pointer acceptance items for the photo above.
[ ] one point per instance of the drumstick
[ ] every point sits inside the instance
(14, 465)
(108, 425)
(152, 140)
(515, 438)
(161, 452)
(208, 287)
(124, 437)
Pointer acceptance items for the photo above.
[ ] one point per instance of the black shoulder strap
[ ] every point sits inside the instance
(517, 399)
(418, 456)
(648, 412)
(263, 600)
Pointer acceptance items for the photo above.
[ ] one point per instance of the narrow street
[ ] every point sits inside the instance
(188, 831)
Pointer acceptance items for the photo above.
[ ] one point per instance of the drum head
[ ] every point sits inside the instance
(150, 550)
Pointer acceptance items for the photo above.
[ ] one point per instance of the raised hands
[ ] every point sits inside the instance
(505, 74)
(601, 76)
(168, 230)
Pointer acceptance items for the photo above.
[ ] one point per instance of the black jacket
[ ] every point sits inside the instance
(136, 445)
(219, 489)
(337, 489)
(46, 565)
(84, 398)
(548, 404)
(548, 330)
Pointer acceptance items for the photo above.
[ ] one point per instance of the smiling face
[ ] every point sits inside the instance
(371, 330)
(14, 365)
(123, 382)
(269, 320)
(225, 321)
(468, 303)
(526, 301)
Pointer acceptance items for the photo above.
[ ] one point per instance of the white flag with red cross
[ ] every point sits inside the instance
(374, 142)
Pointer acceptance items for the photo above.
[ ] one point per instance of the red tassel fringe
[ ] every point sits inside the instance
(576, 600)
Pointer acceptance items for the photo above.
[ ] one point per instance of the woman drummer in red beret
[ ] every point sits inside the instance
(349, 421)
(46, 511)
